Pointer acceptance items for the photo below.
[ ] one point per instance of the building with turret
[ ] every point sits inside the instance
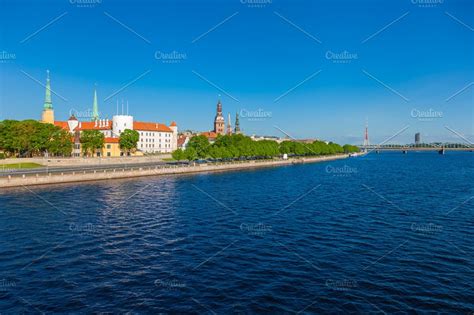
(219, 121)
(154, 137)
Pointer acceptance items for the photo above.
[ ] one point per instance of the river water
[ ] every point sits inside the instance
(383, 233)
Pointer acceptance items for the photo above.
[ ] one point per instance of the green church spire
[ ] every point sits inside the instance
(95, 107)
(47, 98)
(237, 123)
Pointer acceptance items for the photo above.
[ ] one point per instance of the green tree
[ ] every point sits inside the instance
(178, 155)
(287, 147)
(60, 143)
(91, 141)
(33, 138)
(200, 144)
(128, 140)
(190, 154)
(347, 148)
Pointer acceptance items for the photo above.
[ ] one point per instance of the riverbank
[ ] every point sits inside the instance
(43, 178)
(94, 161)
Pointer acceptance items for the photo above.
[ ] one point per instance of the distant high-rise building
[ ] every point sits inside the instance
(417, 138)
(219, 121)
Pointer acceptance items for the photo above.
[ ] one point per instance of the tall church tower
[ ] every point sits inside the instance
(219, 121)
(48, 111)
(237, 124)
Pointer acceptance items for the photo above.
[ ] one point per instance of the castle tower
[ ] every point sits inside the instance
(95, 107)
(237, 124)
(229, 126)
(48, 111)
(219, 121)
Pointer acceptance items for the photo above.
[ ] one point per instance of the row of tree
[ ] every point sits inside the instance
(30, 138)
(240, 146)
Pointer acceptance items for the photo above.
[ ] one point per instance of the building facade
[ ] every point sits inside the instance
(153, 137)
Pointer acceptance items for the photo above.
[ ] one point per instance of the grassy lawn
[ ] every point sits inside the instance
(168, 159)
(20, 165)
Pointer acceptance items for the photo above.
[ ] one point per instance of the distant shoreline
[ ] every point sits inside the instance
(42, 178)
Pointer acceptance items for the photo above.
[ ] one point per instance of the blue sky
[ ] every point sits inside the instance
(402, 58)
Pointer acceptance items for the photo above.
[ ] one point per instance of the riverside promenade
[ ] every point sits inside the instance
(45, 178)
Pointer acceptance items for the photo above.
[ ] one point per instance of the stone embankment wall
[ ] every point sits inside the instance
(80, 176)
(88, 161)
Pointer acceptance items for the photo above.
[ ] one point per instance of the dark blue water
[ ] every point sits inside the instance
(384, 233)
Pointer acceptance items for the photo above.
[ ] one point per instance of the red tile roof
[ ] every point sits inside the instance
(209, 134)
(92, 125)
(149, 126)
(85, 125)
(181, 140)
(111, 140)
(62, 124)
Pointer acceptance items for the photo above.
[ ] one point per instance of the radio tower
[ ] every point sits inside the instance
(366, 136)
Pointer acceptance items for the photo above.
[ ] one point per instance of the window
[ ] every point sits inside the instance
(108, 146)
(108, 153)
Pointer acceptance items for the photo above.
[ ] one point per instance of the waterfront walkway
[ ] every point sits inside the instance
(46, 176)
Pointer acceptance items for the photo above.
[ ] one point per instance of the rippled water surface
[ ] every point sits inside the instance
(383, 233)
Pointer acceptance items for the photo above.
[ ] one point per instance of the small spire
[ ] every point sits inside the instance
(229, 125)
(95, 106)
